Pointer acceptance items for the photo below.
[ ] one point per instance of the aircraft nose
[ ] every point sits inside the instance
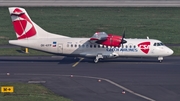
(170, 51)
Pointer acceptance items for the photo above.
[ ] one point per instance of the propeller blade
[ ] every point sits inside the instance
(123, 34)
(122, 40)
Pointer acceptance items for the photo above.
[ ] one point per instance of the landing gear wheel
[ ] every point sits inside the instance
(99, 56)
(96, 60)
(160, 59)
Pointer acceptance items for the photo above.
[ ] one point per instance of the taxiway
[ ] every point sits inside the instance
(141, 79)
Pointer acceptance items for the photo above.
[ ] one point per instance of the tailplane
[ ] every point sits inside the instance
(25, 28)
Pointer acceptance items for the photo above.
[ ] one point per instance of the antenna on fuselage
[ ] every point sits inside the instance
(147, 37)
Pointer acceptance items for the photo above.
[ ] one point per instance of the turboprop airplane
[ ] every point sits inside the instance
(100, 46)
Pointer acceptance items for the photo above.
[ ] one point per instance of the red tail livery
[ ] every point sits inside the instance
(23, 26)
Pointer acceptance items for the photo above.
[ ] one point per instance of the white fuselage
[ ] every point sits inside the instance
(82, 47)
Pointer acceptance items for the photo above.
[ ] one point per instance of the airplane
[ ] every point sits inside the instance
(98, 47)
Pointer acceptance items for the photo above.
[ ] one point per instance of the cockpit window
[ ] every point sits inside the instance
(158, 44)
(154, 44)
(162, 44)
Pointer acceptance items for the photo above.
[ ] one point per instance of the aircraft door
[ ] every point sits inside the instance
(152, 51)
(60, 48)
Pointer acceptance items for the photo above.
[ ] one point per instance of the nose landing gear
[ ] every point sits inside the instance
(160, 59)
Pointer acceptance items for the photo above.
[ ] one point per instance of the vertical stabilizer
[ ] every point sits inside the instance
(25, 28)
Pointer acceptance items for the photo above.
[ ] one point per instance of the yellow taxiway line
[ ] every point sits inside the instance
(77, 62)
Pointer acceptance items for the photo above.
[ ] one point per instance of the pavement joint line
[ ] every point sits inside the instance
(36, 82)
(77, 62)
(98, 78)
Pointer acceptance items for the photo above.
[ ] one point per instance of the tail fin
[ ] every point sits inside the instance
(25, 28)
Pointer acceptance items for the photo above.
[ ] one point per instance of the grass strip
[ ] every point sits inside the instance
(29, 92)
(20, 52)
(176, 50)
(139, 22)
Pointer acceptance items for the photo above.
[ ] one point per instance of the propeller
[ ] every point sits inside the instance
(122, 40)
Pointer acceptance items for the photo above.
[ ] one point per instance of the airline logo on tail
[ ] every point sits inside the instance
(144, 46)
(23, 26)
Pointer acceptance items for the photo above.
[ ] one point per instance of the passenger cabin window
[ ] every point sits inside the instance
(99, 46)
(94, 46)
(71, 45)
(126, 46)
(130, 46)
(90, 46)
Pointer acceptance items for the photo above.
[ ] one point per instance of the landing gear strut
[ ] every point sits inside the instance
(160, 59)
(99, 56)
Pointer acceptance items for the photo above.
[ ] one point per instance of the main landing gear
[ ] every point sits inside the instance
(160, 59)
(99, 56)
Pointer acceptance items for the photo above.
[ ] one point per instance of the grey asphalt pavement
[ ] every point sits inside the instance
(142, 79)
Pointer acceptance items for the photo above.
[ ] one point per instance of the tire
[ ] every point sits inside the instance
(95, 60)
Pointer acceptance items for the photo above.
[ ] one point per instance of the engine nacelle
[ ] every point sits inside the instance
(112, 40)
